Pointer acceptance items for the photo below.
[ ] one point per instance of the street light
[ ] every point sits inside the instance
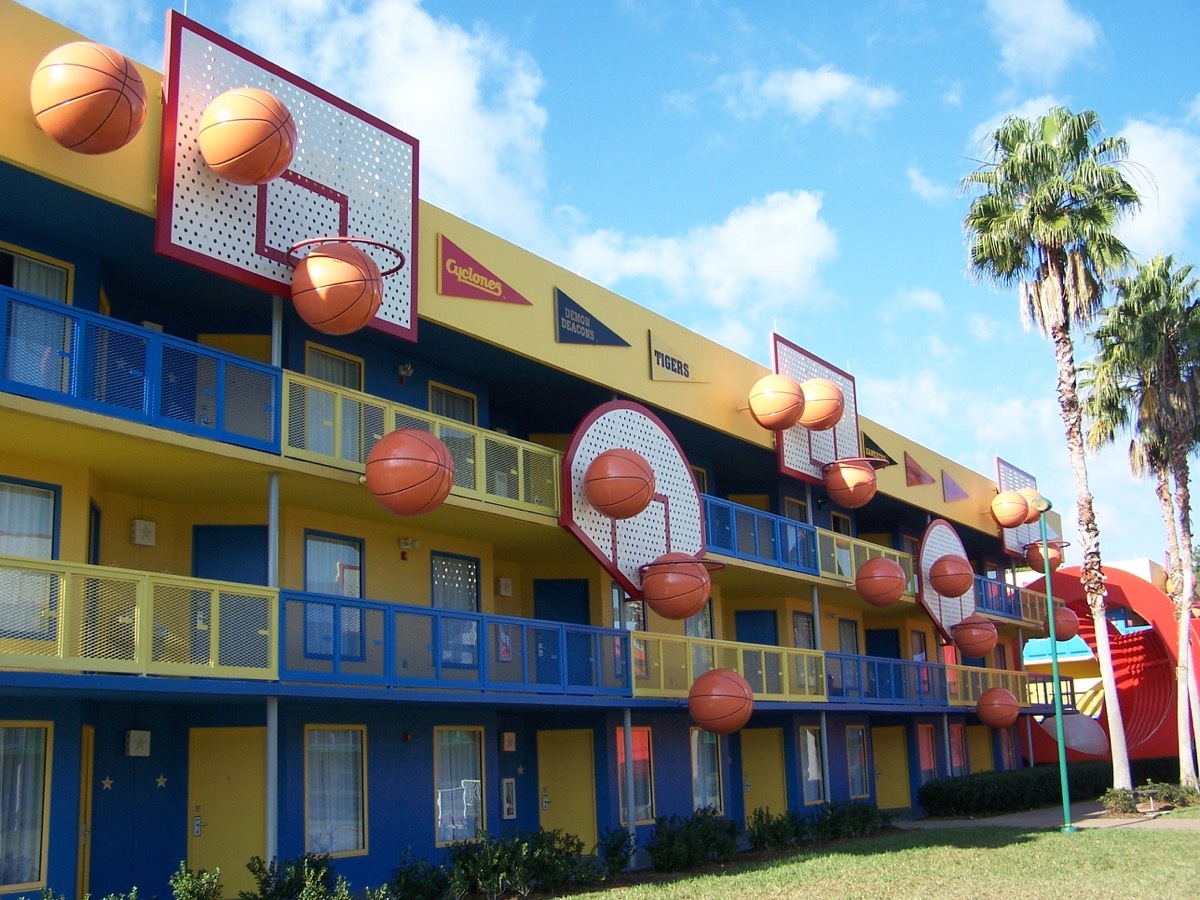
(1042, 505)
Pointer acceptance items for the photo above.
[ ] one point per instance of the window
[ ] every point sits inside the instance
(706, 770)
(1008, 756)
(40, 277)
(856, 757)
(795, 508)
(700, 625)
(336, 368)
(333, 565)
(701, 476)
(848, 636)
(804, 636)
(455, 581)
(452, 404)
(628, 614)
(958, 754)
(811, 775)
(927, 751)
(1001, 656)
(334, 425)
(24, 781)
(643, 776)
(840, 524)
(29, 514)
(335, 780)
(458, 776)
(920, 651)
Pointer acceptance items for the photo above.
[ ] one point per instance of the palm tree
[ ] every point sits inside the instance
(1148, 354)
(1049, 198)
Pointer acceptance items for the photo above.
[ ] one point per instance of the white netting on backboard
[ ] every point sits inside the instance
(1010, 478)
(941, 540)
(674, 519)
(802, 452)
(348, 177)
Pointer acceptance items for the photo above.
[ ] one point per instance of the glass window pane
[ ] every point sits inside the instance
(458, 801)
(23, 759)
(335, 769)
(643, 775)
(451, 404)
(803, 634)
(958, 760)
(856, 753)
(810, 765)
(332, 565)
(340, 370)
(33, 276)
(927, 751)
(455, 582)
(706, 770)
(27, 524)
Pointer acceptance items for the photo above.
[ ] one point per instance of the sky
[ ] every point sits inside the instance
(789, 166)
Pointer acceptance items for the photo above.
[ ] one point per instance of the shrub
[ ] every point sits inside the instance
(489, 866)
(680, 843)
(1119, 801)
(847, 818)
(616, 848)
(202, 885)
(415, 879)
(989, 793)
(767, 831)
(1169, 794)
(556, 860)
(310, 876)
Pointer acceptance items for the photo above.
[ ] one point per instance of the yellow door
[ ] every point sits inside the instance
(87, 743)
(979, 748)
(890, 746)
(764, 782)
(567, 783)
(227, 798)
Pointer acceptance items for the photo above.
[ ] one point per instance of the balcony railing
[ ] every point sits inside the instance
(351, 641)
(1003, 599)
(965, 684)
(751, 534)
(665, 665)
(1040, 691)
(51, 351)
(868, 679)
(57, 615)
(840, 556)
(336, 426)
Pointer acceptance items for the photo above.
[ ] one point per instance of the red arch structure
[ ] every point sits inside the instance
(1143, 661)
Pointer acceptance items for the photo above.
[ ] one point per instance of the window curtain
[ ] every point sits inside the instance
(335, 790)
(459, 801)
(26, 529)
(452, 405)
(332, 566)
(856, 751)
(643, 796)
(337, 370)
(928, 756)
(957, 758)
(22, 804)
(810, 764)
(455, 582)
(35, 277)
(706, 770)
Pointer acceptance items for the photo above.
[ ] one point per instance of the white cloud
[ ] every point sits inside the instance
(1029, 109)
(1040, 38)
(982, 328)
(118, 23)
(1165, 168)
(923, 187)
(922, 299)
(954, 94)
(470, 98)
(807, 94)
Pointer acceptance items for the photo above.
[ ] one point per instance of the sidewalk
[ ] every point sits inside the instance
(1090, 814)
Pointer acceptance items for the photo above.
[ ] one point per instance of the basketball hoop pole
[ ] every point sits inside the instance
(1042, 505)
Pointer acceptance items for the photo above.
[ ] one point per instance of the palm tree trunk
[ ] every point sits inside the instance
(1091, 574)
(1183, 613)
(1167, 506)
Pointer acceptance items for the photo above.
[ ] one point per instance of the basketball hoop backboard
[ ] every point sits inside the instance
(804, 453)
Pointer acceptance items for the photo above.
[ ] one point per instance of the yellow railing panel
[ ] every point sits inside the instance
(68, 616)
(839, 556)
(964, 684)
(665, 665)
(335, 426)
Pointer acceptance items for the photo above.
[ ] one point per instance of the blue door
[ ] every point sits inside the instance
(230, 553)
(562, 600)
(758, 626)
(882, 680)
(236, 553)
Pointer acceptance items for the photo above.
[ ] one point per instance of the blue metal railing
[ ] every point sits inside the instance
(870, 679)
(751, 534)
(347, 641)
(998, 597)
(54, 352)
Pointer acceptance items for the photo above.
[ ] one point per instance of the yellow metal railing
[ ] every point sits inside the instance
(335, 426)
(67, 616)
(839, 556)
(665, 665)
(964, 684)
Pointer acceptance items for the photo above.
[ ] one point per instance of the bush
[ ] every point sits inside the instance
(202, 885)
(556, 860)
(310, 877)
(767, 831)
(415, 879)
(1120, 802)
(615, 849)
(680, 843)
(489, 866)
(847, 818)
(990, 793)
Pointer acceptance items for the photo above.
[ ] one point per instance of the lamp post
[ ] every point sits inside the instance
(1042, 505)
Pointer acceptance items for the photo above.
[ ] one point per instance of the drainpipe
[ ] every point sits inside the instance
(816, 605)
(824, 758)
(272, 785)
(1028, 719)
(276, 331)
(628, 738)
(946, 744)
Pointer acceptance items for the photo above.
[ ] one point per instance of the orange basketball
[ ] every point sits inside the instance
(247, 136)
(776, 402)
(720, 701)
(1010, 509)
(997, 707)
(619, 483)
(823, 404)
(880, 581)
(1066, 624)
(850, 482)
(410, 472)
(951, 575)
(88, 97)
(1030, 494)
(975, 636)
(676, 585)
(337, 288)
(1036, 559)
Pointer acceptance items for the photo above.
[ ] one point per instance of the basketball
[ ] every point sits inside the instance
(975, 636)
(720, 701)
(880, 581)
(1010, 509)
(337, 288)
(823, 404)
(1066, 624)
(1036, 559)
(776, 402)
(409, 472)
(619, 483)
(676, 585)
(951, 575)
(1030, 494)
(997, 707)
(247, 136)
(89, 98)
(850, 482)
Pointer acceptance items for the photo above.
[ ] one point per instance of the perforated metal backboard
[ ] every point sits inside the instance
(674, 520)
(804, 453)
(941, 539)
(1010, 478)
(352, 175)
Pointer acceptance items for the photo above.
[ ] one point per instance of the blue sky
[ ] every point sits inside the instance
(787, 165)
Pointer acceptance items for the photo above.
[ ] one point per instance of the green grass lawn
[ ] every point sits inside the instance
(1007, 863)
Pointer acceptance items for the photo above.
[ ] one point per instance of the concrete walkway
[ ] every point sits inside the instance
(1083, 815)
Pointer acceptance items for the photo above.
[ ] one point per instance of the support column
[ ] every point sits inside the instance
(825, 795)
(272, 786)
(630, 817)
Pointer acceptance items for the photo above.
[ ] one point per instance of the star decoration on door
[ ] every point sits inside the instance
(107, 783)
(161, 781)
